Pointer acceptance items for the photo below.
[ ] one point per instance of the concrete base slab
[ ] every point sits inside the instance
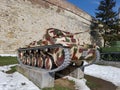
(44, 79)
(39, 77)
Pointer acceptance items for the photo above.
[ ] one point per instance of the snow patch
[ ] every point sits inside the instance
(108, 73)
(7, 67)
(80, 84)
(12, 55)
(17, 81)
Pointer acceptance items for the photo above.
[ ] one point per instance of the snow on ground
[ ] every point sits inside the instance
(6, 68)
(108, 73)
(12, 55)
(80, 84)
(15, 81)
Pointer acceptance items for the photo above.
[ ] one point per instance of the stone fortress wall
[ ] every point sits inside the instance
(24, 21)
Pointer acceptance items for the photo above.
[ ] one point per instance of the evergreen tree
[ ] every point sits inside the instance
(106, 16)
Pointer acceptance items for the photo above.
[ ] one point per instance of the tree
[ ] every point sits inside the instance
(105, 14)
(107, 17)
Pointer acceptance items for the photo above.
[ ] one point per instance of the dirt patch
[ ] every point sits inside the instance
(65, 83)
(99, 84)
(92, 82)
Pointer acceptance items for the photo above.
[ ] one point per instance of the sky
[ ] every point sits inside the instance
(90, 6)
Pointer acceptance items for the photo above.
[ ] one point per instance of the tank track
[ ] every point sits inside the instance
(26, 55)
(111, 56)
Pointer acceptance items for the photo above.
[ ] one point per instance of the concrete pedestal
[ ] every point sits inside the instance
(45, 79)
(77, 73)
(72, 71)
(39, 77)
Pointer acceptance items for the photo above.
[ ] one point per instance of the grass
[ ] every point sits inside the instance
(91, 84)
(62, 84)
(13, 69)
(71, 81)
(8, 60)
(110, 49)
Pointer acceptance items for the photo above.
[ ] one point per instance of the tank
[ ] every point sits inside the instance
(112, 52)
(57, 50)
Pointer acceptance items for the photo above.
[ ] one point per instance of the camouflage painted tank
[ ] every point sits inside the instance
(56, 51)
(111, 53)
